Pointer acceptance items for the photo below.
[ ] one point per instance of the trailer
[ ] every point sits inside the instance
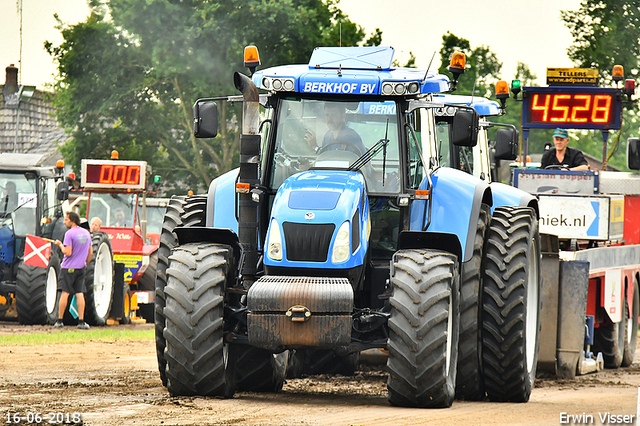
(591, 233)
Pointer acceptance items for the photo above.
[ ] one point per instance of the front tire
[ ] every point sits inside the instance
(511, 304)
(197, 357)
(99, 281)
(423, 329)
(37, 291)
(181, 211)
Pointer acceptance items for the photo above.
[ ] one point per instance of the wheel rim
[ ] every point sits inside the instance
(102, 280)
(449, 334)
(127, 305)
(51, 289)
(532, 306)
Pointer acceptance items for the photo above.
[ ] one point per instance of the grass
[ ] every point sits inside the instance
(71, 336)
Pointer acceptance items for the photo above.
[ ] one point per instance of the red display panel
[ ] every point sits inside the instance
(113, 174)
(587, 108)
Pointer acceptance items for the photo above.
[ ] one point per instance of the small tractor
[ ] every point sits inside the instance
(348, 226)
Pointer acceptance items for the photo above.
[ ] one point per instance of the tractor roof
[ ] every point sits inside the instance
(484, 107)
(15, 162)
(353, 71)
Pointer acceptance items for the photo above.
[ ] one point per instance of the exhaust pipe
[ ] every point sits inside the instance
(249, 162)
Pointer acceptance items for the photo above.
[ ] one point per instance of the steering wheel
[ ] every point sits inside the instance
(354, 148)
(556, 167)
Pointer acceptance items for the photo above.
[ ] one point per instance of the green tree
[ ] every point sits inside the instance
(129, 81)
(482, 66)
(607, 33)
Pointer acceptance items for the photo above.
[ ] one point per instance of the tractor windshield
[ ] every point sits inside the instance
(332, 134)
(115, 210)
(19, 201)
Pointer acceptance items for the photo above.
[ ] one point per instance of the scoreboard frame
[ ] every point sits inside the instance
(579, 107)
(114, 174)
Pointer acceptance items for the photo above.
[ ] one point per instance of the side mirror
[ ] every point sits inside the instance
(63, 191)
(633, 153)
(506, 144)
(205, 119)
(465, 128)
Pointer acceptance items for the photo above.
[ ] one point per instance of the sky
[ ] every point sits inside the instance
(528, 31)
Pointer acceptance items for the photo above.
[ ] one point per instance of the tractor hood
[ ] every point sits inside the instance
(319, 219)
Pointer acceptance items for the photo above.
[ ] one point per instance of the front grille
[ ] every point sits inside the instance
(307, 242)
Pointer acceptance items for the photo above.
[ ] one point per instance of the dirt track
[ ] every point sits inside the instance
(118, 384)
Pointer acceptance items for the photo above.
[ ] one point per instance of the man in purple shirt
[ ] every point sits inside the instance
(77, 252)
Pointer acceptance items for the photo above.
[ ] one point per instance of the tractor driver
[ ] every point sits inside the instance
(10, 199)
(562, 156)
(120, 218)
(335, 115)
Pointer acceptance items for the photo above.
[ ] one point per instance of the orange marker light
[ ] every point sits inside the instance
(422, 194)
(60, 164)
(114, 155)
(251, 57)
(617, 73)
(502, 89)
(458, 62)
(190, 193)
(242, 188)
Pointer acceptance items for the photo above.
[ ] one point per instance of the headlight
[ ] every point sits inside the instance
(274, 248)
(342, 245)
(288, 85)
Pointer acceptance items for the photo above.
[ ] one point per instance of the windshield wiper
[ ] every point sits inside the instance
(371, 152)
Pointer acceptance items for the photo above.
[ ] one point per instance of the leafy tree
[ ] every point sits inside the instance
(606, 33)
(482, 69)
(129, 81)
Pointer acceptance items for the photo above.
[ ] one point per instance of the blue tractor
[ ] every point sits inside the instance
(350, 225)
(30, 204)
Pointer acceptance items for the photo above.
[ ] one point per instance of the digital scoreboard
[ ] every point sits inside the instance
(113, 174)
(571, 107)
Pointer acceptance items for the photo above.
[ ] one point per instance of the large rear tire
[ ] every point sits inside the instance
(631, 327)
(258, 370)
(98, 281)
(423, 328)
(37, 291)
(511, 304)
(181, 211)
(470, 383)
(148, 279)
(609, 339)
(612, 339)
(197, 357)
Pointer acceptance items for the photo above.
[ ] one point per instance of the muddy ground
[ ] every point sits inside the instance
(118, 384)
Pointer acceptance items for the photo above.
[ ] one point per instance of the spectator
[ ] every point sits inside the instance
(95, 224)
(77, 252)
